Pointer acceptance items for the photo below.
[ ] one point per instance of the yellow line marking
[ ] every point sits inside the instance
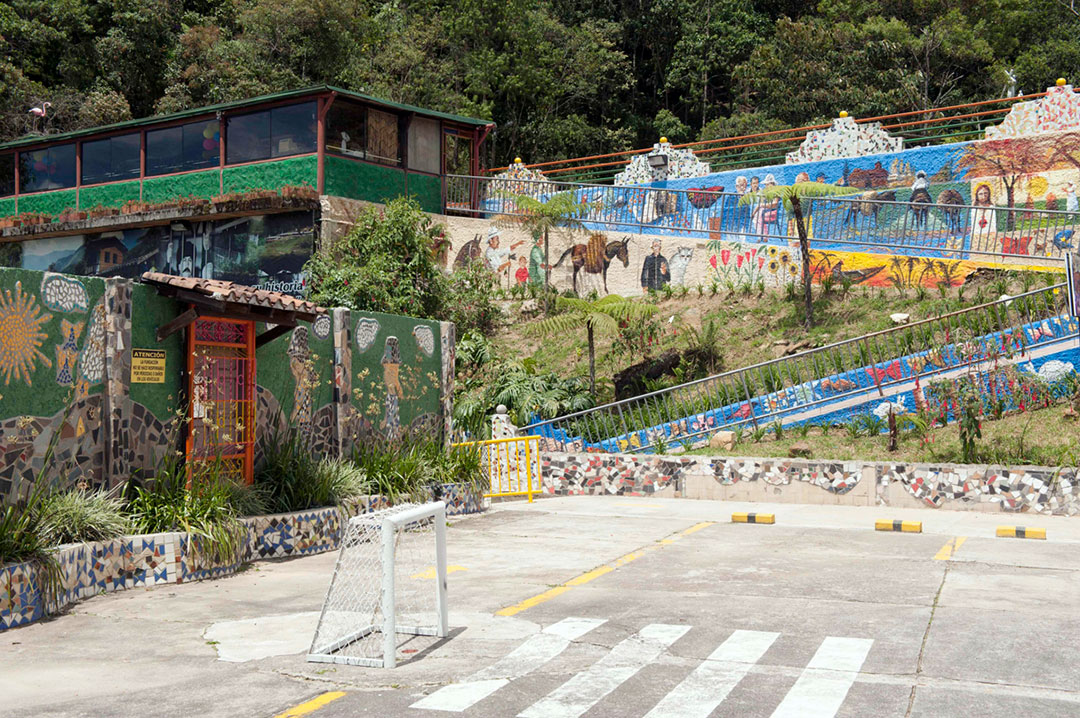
(311, 706)
(429, 572)
(950, 548)
(597, 572)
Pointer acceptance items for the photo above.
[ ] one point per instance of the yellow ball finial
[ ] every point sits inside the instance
(663, 140)
(517, 160)
(843, 113)
(1061, 82)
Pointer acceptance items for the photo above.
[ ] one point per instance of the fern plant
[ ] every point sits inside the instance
(598, 316)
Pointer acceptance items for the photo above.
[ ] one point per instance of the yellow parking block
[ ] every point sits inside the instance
(908, 527)
(745, 518)
(1021, 532)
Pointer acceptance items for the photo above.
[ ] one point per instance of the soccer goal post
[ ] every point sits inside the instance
(389, 581)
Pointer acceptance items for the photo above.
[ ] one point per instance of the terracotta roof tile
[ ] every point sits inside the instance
(236, 293)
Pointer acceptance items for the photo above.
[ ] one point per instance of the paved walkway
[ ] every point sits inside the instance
(611, 606)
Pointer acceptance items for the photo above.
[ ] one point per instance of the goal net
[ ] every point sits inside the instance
(389, 584)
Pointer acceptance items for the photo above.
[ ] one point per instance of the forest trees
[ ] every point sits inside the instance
(560, 78)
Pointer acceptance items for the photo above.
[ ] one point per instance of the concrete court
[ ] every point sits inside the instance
(987, 630)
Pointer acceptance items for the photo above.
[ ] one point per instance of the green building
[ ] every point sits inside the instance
(239, 191)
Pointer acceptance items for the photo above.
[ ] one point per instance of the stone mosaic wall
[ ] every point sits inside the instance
(845, 139)
(1057, 112)
(956, 487)
(151, 560)
(65, 366)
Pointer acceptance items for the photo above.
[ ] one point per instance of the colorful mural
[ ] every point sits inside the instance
(54, 366)
(267, 251)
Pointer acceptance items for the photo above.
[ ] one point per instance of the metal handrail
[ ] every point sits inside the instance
(867, 363)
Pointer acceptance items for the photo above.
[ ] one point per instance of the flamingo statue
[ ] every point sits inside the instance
(40, 111)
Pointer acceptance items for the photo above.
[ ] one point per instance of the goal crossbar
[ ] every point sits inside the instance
(389, 524)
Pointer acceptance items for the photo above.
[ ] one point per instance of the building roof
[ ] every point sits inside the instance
(240, 104)
(232, 293)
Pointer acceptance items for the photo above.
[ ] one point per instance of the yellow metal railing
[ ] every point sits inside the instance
(512, 465)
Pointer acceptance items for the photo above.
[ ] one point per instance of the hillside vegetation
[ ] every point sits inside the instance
(561, 78)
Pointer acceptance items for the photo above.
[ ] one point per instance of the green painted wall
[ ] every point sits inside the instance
(426, 190)
(193, 184)
(361, 180)
(274, 371)
(108, 195)
(48, 202)
(35, 389)
(418, 373)
(272, 175)
(7, 206)
(149, 311)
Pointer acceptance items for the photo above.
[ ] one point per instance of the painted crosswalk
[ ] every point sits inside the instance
(534, 653)
(818, 692)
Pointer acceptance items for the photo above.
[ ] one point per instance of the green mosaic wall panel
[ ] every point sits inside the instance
(298, 369)
(194, 184)
(149, 311)
(7, 207)
(361, 180)
(108, 195)
(48, 202)
(49, 340)
(272, 175)
(426, 190)
(412, 374)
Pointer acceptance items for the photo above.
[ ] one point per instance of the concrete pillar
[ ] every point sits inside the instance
(447, 344)
(116, 419)
(343, 408)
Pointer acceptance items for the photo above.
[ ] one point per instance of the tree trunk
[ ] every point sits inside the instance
(592, 362)
(547, 270)
(1010, 195)
(804, 250)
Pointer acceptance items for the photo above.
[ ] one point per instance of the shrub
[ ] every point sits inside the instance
(293, 479)
(206, 510)
(78, 516)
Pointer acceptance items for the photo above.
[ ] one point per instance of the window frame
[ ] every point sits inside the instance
(269, 112)
(148, 131)
(21, 177)
(109, 138)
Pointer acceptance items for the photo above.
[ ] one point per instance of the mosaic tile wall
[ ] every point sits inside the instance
(1024, 489)
(155, 559)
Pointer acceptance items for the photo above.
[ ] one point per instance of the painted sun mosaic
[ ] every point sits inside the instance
(21, 335)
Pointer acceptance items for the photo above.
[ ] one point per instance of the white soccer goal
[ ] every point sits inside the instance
(389, 581)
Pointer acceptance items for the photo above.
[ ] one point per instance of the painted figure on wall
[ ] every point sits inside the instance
(521, 276)
(299, 364)
(497, 257)
(391, 364)
(537, 267)
(983, 221)
(767, 212)
(654, 270)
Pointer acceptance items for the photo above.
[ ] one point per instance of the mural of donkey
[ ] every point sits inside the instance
(596, 256)
(954, 217)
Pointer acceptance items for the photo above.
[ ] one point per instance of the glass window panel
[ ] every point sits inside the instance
(7, 174)
(425, 152)
(51, 168)
(185, 147)
(110, 159)
(382, 137)
(293, 129)
(248, 138)
(345, 124)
